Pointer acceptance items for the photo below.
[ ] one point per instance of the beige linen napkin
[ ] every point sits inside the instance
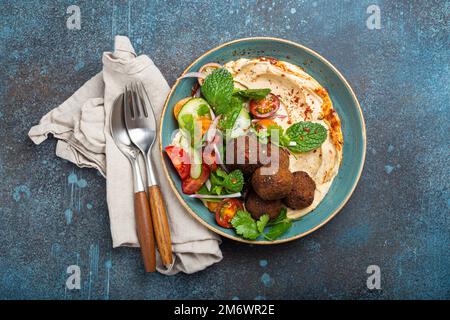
(81, 125)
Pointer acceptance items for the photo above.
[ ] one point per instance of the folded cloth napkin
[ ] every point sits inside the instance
(81, 125)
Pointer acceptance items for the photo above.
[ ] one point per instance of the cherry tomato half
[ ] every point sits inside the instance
(226, 211)
(212, 206)
(191, 186)
(266, 107)
(180, 160)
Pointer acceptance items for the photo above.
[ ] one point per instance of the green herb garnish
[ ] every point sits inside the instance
(279, 226)
(234, 181)
(230, 116)
(251, 229)
(246, 226)
(253, 94)
(218, 89)
(305, 136)
(226, 183)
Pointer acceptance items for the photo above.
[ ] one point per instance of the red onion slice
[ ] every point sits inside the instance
(200, 75)
(281, 116)
(197, 93)
(210, 64)
(207, 196)
(204, 70)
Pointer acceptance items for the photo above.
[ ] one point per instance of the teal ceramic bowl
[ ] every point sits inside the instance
(344, 102)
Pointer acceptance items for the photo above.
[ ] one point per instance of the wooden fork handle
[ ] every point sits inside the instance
(144, 228)
(160, 224)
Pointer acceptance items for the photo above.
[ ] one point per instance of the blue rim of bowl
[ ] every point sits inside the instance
(341, 205)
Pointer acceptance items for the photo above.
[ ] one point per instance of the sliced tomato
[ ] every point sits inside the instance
(180, 160)
(265, 107)
(212, 206)
(265, 124)
(191, 186)
(209, 157)
(226, 210)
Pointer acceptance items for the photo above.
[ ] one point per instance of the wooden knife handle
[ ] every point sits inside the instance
(161, 224)
(145, 230)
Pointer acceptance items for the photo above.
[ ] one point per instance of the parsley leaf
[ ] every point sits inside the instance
(281, 217)
(305, 136)
(218, 89)
(278, 230)
(253, 94)
(251, 229)
(279, 226)
(262, 222)
(246, 226)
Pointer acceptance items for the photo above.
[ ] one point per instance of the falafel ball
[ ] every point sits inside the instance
(252, 154)
(258, 206)
(282, 155)
(302, 193)
(272, 183)
(247, 152)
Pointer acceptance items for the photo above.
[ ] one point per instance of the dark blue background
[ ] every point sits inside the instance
(53, 214)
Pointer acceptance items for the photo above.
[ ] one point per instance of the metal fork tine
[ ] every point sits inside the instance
(140, 105)
(144, 94)
(134, 102)
(126, 103)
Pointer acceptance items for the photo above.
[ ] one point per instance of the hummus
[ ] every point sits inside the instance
(302, 99)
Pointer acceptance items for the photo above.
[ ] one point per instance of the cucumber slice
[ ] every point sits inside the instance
(242, 123)
(193, 109)
(196, 163)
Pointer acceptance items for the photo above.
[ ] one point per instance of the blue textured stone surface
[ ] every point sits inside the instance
(53, 214)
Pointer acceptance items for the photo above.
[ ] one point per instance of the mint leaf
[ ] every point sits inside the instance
(245, 225)
(216, 183)
(231, 114)
(234, 181)
(306, 135)
(221, 173)
(278, 230)
(217, 190)
(226, 183)
(262, 222)
(253, 94)
(218, 89)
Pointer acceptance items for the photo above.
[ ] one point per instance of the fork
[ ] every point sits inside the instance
(141, 126)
